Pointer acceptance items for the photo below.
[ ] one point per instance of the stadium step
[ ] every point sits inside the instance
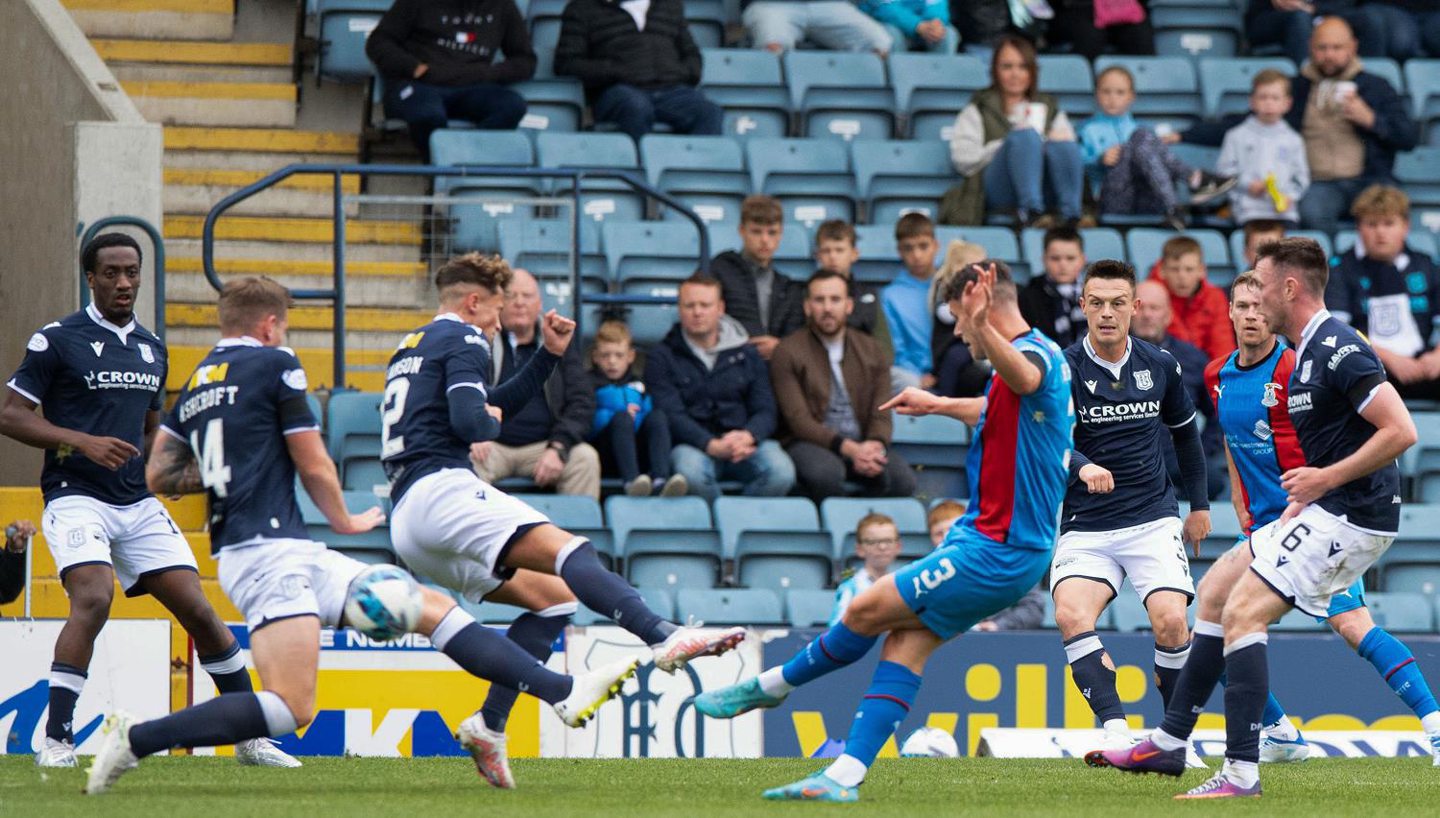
(260, 150)
(365, 366)
(410, 292)
(196, 190)
(391, 321)
(312, 231)
(181, 19)
(182, 61)
(260, 104)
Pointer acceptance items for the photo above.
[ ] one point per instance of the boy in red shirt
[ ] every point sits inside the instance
(1200, 312)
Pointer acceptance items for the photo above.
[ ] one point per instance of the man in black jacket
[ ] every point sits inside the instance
(437, 60)
(638, 64)
(544, 440)
(765, 301)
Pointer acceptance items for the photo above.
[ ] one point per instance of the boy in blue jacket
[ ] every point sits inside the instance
(625, 419)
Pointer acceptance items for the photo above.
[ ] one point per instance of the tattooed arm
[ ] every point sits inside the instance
(172, 468)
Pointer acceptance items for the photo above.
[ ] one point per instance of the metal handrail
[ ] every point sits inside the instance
(337, 291)
(158, 244)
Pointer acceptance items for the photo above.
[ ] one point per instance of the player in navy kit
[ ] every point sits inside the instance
(463, 533)
(242, 431)
(1251, 388)
(1342, 512)
(991, 557)
(1120, 517)
(100, 378)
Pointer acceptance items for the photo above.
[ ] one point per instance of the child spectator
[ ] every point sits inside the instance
(1135, 170)
(765, 302)
(940, 518)
(906, 302)
(915, 25)
(625, 416)
(1051, 303)
(1201, 312)
(877, 542)
(1258, 232)
(957, 373)
(835, 252)
(1266, 155)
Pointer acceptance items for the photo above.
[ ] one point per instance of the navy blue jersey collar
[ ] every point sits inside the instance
(121, 332)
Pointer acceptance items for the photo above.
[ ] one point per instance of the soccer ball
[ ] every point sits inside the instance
(383, 603)
(929, 742)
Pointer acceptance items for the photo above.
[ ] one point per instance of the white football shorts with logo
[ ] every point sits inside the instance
(1315, 556)
(1151, 554)
(270, 580)
(135, 540)
(452, 528)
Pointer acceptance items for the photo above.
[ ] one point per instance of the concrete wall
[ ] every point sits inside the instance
(73, 149)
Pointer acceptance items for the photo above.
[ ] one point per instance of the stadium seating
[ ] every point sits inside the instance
(474, 225)
(1298, 620)
(372, 546)
(1225, 83)
(706, 20)
(1421, 462)
(794, 258)
(1401, 612)
(1197, 31)
(811, 176)
(1418, 172)
(1422, 77)
(840, 95)
(601, 199)
(935, 447)
(748, 85)
(729, 606)
(999, 242)
(1145, 244)
(343, 27)
(839, 516)
(354, 432)
(932, 88)
(666, 542)
(1128, 611)
(896, 177)
(705, 172)
(776, 542)
(552, 105)
(579, 515)
(1068, 77)
(805, 609)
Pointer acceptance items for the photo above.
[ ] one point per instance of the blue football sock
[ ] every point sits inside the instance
(885, 705)
(536, 634)
(1396, 664)
(831, 650)
(1273, 711)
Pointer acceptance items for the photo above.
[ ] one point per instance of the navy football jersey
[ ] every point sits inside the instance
(234, 412)
(94, 377)
(1336, 374)
(1122, 412)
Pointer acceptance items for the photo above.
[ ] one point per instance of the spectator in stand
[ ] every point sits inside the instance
(837, 25)
(915, 25)
(1136, 171)
(437, 62)
(1258, 232)
(715, 391)
(1012, 143)
(1151, 323)
(1121, 28)
(638, 64)
(761, 298)
(1390, 292)
(983, 24)
(835, 251)
(907, 303)
(1266, 155)
(626, 419)
(942, 515)
(829, 381)
(957, 373)
(12, 559)
(545, 439)
(877, 543)
(1399, 29)
(1353, 123)
(1289, 24)
(1201, 312)
(1051, 302)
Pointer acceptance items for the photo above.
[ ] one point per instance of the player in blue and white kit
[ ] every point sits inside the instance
(1342, 513)
(100, 377)
(1251, 389)
(1121, 519)
(463, 533)
(241, 431)
(991, 557)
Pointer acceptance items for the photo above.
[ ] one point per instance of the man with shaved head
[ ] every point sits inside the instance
(1353, 123)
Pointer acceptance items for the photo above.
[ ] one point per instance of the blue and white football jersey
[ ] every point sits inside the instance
(235, 411)
(91, 376)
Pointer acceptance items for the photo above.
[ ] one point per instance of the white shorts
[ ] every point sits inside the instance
(1314, 556)
(270, 580)
(135, 540)
(1152, 555)
(453, 528)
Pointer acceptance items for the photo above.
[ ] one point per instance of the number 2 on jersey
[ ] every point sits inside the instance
(214, 474)
(392, 407)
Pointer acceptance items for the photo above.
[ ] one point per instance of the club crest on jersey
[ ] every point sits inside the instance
(1270, 398)
(1142, 379)
(98, 346)
(1305, 371)
(38, 343)
(146, 354)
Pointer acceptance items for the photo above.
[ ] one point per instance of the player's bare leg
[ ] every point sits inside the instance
(549, 549)
(1078, 605)
(91, 589)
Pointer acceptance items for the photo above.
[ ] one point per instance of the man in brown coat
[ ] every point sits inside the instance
(828, 381)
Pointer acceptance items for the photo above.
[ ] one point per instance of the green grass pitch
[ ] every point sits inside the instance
(713, 788)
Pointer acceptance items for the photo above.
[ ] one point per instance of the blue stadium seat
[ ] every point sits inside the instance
(1401, 612)
(544, 36)
(1068, 77)
(660, 600)
(578, 514)
(1164, 86)
(705, 172)
(1145, 244)
(1388, 69)
(1420, 464)
(879, 257)
(543, 246)
(730, 606)
(935, 447)
(1197, 31)
(776, 542)
(1128, 611)
(342, 27)
(354, 426)
(375, 541)
(666, 542)
(809, 608)
(896, 177)
(1237, 244)
(811, 176)
(553, 105)
(1422, 77)
(840, 95)
(474, 225)
(1421, 578)
(1418, 172)
(931, 88)
(1298, 620)
(999, 242)
(747, 83)
(365, 474)
(538, 10)
(839, 516)
(640, 254)
(706, 20)
(1225, 83)
(1100, 242)
(601, 199)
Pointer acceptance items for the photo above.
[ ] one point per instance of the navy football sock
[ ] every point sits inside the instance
(536, 633)
(227, 670)
(1248, 675)
(606, 592)
(1094, 675)
(66, 682)
(489, 655)
(226, 719)
(1168, 663)
(1197, 680)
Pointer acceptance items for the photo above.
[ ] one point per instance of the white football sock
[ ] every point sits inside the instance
(1117, 726)
(847, 771)
(1242, 773)
(772, 681)
(1165, 741)
(1431, 723)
